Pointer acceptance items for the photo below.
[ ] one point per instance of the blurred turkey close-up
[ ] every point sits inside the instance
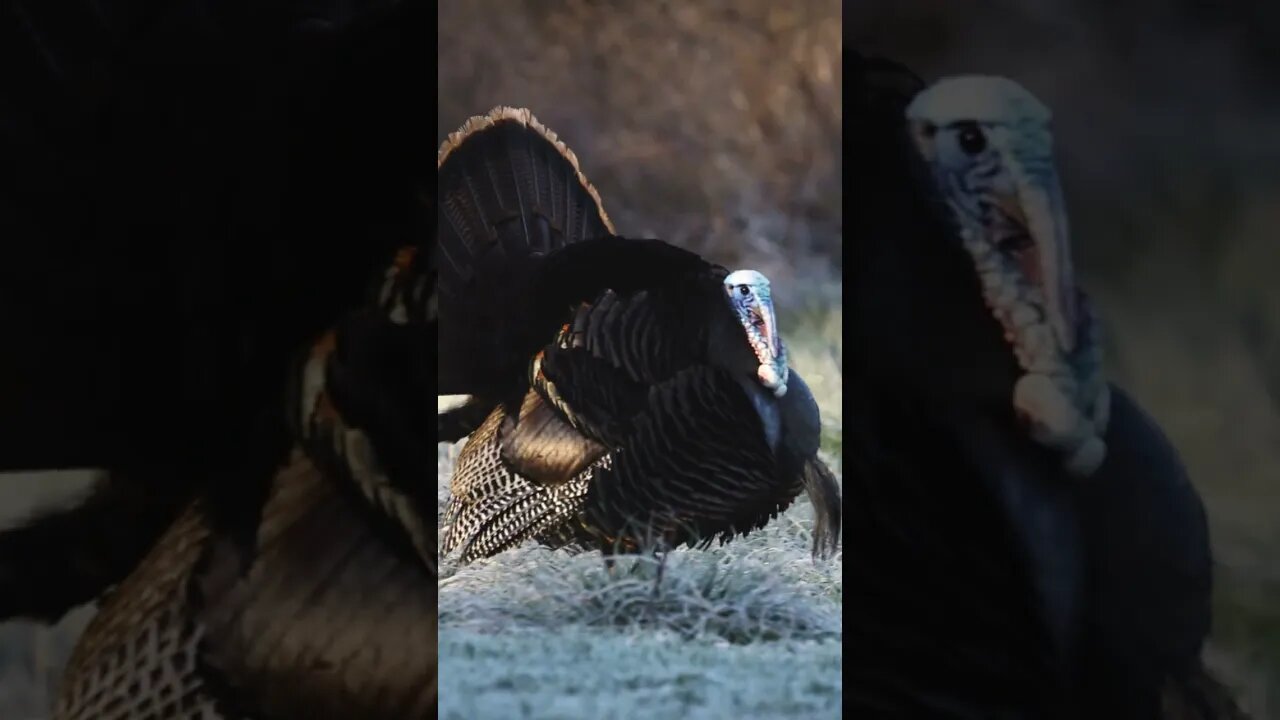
(1061, 498)
(215, 288)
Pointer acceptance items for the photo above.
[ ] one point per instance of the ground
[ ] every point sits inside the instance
(747, 630)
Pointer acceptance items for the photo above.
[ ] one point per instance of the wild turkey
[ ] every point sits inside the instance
(193, 192)
(1024, 548)
(636, 395)
(335, 613)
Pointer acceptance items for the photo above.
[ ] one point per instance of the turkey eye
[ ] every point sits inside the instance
(744, 290)
(972, 140)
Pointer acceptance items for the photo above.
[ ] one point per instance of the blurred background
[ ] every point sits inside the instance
(1167, 128)
(713, 125)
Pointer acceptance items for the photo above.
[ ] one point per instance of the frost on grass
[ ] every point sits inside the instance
(747, 629)
(757, 588)
(575, 673)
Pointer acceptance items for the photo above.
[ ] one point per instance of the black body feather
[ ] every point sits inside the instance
(987, 582)
(625, 407)
(193, 192)
(503, 204)
(333, 615)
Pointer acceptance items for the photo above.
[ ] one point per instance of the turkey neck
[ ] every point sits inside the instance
(790, 423)
(919, 320)
(964, 582)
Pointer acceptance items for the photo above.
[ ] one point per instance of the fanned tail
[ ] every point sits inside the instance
(509, 192)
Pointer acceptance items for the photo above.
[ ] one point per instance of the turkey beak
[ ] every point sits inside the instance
(1037, 206)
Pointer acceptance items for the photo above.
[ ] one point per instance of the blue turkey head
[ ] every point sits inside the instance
(752, 302)
(988, 145)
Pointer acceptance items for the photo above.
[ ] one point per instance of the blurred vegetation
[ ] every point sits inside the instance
(713, 125)
(1167, 124)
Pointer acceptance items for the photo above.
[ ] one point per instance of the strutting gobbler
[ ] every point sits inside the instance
(623, 393)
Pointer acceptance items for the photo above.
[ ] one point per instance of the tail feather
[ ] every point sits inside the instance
(509, 192)
(528, 516)
(823, 489)
(465, 519)
(492, 508)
